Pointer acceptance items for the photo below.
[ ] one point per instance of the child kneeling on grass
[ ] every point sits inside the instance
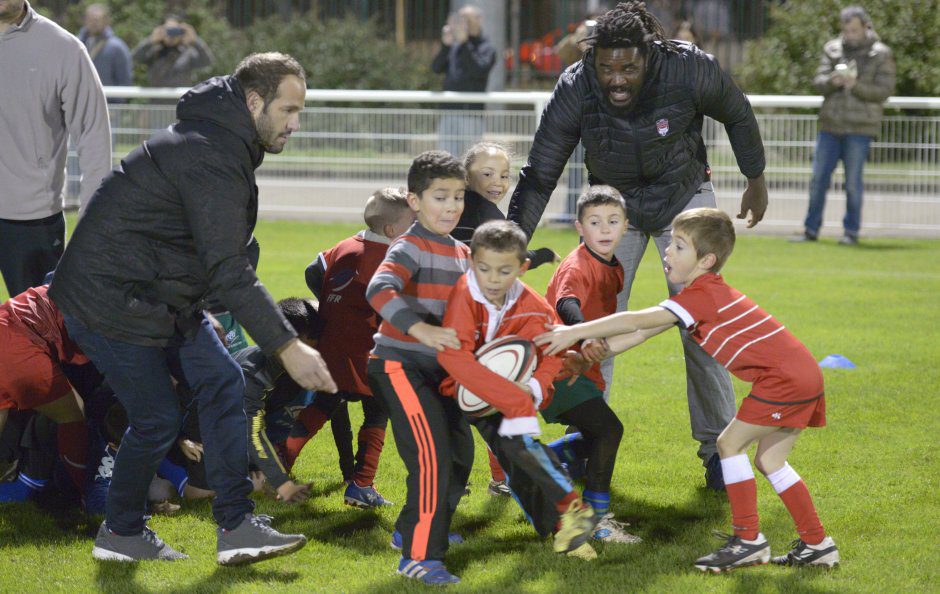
(786, 396)
(490, 302)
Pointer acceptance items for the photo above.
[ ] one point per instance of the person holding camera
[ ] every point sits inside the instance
(856, 75)
(172, 53)
(465, 59)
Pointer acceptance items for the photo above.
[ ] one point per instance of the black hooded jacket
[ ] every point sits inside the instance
(653, 154)
(172, 225)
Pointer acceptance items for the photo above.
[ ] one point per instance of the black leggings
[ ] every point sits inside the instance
(601, 432)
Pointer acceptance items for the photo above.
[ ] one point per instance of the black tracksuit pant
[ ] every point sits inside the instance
(536, 477)
(435, 443)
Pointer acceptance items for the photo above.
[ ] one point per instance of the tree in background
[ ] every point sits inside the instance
(343, 53)
(783, 61)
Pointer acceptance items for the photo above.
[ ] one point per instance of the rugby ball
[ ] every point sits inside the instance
(512, 357)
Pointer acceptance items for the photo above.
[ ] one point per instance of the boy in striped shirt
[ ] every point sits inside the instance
(410, 291)
(786, 395)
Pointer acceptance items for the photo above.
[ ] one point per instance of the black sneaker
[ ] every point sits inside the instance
(848, 240)
(145, 546)
(714, 477)
(737, 552)
(254, 540)
(824, 554)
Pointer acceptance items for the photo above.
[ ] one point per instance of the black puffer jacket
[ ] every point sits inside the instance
(653, 154)
(171, 225)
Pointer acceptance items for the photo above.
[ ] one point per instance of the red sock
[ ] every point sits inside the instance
(496, 471)
(73, 450)
(565, 502)
(371, 440)
(743, 498)
(308, 423)
(800, 505)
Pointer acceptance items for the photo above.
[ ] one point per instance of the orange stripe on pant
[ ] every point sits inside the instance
(427, 457)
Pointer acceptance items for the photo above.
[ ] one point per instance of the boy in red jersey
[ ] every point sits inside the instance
(35, 344)
(585, 287)
(786, 396)
(409, 291)
(338, 278)
(489, 302)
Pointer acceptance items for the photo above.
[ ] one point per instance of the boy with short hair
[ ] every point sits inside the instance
(585, 287)
(409, 291)
(490, 302)
(339, 277)
(786, 396)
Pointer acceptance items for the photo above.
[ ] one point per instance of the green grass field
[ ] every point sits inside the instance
(873, 471)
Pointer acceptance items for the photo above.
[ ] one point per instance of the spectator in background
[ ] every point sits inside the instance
(465, 59)
(712, 21)
(684, 32)
(107, 51)
(856, 75)
(48, 91)
(172, 53)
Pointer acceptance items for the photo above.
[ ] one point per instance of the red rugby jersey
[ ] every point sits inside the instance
(594, 283)
(351, 322)
(747, 340)
(477, 322)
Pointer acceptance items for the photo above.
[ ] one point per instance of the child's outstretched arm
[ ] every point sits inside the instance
(562, 337)
(624, 342)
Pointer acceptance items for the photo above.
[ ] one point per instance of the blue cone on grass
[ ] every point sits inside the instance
(836, 362)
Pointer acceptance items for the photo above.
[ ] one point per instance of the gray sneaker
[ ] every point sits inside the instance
(140, 547)
(254, 540)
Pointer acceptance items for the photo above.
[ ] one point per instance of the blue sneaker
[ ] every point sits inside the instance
(429, 572)
(714, 477)
(396, 542)
(564, 450)
(364, 497)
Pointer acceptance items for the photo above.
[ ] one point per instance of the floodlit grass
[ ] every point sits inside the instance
(873, 471)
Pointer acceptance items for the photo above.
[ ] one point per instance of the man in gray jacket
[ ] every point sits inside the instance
(48, 91)
(856, 75)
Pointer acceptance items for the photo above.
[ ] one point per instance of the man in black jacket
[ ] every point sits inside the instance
(636, 102)
(165, 230)
(465, 59)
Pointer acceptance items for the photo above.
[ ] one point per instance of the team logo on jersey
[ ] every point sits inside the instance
(776, 416)
(342, 278)
(662, 126)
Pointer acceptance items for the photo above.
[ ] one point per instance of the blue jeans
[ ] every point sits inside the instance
(852, 149)
(457, 132)
(141, 379)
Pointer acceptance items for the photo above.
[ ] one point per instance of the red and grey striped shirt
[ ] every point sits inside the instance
(412, 285)
(746, 340)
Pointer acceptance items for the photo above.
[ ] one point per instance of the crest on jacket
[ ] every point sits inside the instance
(662, 126)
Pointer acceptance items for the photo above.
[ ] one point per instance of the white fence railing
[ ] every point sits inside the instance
(353, 142)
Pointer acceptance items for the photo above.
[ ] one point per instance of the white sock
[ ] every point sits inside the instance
(784, 478)
(736, 469)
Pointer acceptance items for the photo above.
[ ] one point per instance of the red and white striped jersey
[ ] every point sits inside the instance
(747, 340)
